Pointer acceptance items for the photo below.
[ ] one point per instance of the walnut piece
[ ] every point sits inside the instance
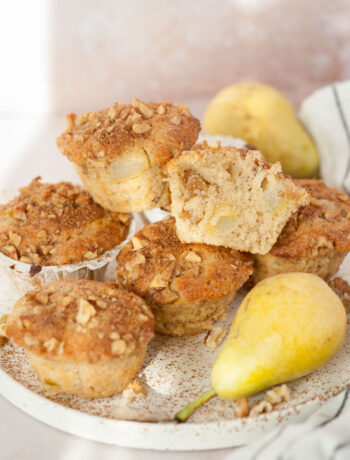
(242, 408)
(118, 347)
(85, 312)
(50, 344)
(158, 282)
(261, 407)
(140, 128)
(161, 110)
(134, 389)
(193, 257)
(279, 394)
(342, 289)
(90, 255)
(146, 111)
(214, 337)
(136, 243)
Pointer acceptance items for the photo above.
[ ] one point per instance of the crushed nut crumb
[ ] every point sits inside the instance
(214, 337)
(261, 407)
(140, 128)
(242, 408)
(85, 312)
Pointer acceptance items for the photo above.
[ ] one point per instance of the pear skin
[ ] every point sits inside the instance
(262, 116)
(287, 326)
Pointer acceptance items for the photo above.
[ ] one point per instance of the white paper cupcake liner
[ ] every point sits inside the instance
(17, 277)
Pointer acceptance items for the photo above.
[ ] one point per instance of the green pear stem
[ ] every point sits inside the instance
(184, 413)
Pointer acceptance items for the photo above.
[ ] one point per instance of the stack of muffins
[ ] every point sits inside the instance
(235, 219)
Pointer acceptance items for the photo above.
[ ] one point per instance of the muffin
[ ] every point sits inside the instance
(119, 152)
(316, 238)
(188, 286)
(231, 197)
(51, 231)
(87, 338)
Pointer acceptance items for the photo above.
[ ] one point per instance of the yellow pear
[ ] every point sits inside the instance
(263, 117)
(286, 327)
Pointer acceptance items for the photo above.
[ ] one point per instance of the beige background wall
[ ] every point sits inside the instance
(88, 53)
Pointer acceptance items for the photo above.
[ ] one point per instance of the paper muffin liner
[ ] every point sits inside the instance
(17, 277)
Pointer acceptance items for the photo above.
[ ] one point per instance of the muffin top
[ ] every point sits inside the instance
(57, 224)
(318, 227)
(163, 129)
(81, 320)
(157, 266)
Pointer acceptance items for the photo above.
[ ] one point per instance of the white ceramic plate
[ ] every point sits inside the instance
(175, 372)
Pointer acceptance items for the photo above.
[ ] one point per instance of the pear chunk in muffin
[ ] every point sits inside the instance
(231, 197)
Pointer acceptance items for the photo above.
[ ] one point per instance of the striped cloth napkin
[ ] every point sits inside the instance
(325, 435)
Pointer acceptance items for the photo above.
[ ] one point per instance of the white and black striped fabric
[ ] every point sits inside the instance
(326, 115)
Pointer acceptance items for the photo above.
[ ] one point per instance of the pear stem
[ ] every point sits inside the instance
(184, 413)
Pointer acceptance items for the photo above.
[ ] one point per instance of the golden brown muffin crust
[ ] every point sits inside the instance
(109, 132)
(157, 266)
(81, 320)
(57, 224)
(322, 225)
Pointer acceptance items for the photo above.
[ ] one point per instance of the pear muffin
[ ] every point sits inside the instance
(188, 286)
(316, 238)
(231, 197)
(119, 152)
(84, 337)
(58, 224)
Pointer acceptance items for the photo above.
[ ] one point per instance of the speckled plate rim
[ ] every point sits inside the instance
(157, 436)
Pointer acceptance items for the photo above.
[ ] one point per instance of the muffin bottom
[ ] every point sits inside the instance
(190, 318)
(325, 266)
(84, 379)
(146, 190)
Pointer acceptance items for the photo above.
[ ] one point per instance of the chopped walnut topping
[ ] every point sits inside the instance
(342, 289)
(158, 282)
(42, 297)
(85, 312)
(90, 255)
(137, 243)
(50, 344)
(61, 214)
(114, 336)
(19, 213)
(102, 304)
(25, 260)
(214, 337)
(242, 408)
(134, 389)
(279, 394)
(140, 128)
(29, 340)
(118, 347)
(161, 110)
(66, 301)
(176, 120)
(146, 111)
(192, 256)
(15, 238)
(261, 408)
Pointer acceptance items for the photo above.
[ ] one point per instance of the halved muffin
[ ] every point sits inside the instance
(119, 152)
(231, 197)
(51, 231)
(316, 238)
(188, 286)
(83, 337)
